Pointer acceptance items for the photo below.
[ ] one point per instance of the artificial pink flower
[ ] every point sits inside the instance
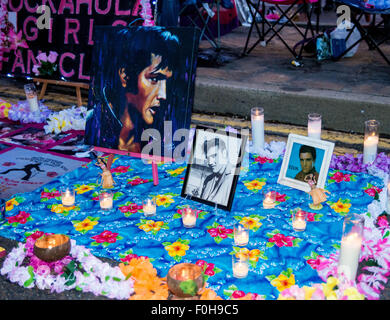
(132, 208)
(52, 57)
(209, 271)
(281, 240)
(314, 263)
(129, 257)
(19, 218)
(16, 40)
(50, 195)
(220, 231)
(372, 191)
(382, 222)
(263, 160)
(120, 169)
(201, 263)
(238, 294)
(42, 57)
(310, 216)
(105, 236)
(35, 69)
(137, 181)
(280, 197)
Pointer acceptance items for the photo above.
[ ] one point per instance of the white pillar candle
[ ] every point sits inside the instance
(31, 95)
(68, 198)
(149, 208)
(349, 255)
(240, 269)
(314, 126)
(257, 122)
(370, 149)
(33, 102)
(188, 218)
(241, 236)
(299, 224)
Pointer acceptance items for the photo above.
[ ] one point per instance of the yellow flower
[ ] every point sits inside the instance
(282, 282)
(340, 207)
(85, 225)
(9, 205)
(177, 249)
(309, 292)
(255, 185)
(151, 225)
(328, 287)
(251, 223)
(176, 171)
(162, 200)
(84, 188)
(353, 294)
(252, 255)
(59, 208)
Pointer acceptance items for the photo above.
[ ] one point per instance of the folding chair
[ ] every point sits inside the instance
(358, 10)
(275, 27)
(200, 17)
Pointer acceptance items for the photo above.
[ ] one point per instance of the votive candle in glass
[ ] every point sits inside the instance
(257, 123)
(240, 266)
(299, 220)
(106, 199)
(371, 139)
(241, 235)
(188, 217)
(149, 207)
(68, 196)
(351, 243)
(269, 201)
(31, 95)
(314, 123)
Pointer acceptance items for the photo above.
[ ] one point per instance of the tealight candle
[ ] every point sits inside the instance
(371, 139)
(149, 207)
(299, 220)
(68, 197)
(269, 200)
(241, 235)
(189, 217)
(31, 95)
(106, 200)
(351, 244)
(257, 123)
(314, 126)
(240, 267)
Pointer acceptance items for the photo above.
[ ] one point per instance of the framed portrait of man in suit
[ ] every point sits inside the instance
(214, 167)
(305, 159)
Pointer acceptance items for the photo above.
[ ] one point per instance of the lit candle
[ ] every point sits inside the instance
(257, 123)
(371, 139)
(68, 198)
(314, 126)
(240, 269)
(149, 208)
(370, 149)
(189, 218)
(349, 255)
(31, 95)
(299, 221)
(269, 200)
(241, 236)
(106, 201)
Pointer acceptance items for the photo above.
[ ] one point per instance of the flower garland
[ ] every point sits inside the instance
(21, 112)
(67, 119)
(80, 270)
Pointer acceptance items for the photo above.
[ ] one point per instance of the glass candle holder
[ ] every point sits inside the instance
(106, 200)
(269, 199)
(188, 217)
(257, 123)
(149, 207)
(314, 122)
(240, 266)
(351, 244)
(241, 235)
(31, 95)
(299, 220)
(68, 196)
(371, 139)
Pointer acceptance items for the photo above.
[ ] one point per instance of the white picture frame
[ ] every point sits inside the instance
(292, 169)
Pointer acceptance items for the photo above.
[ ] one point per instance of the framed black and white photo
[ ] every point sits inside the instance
(214, 167)
(305, 158)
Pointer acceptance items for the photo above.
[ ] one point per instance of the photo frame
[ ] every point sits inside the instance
(214, 167)
(303, 156)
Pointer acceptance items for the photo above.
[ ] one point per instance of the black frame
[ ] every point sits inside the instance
(241, 154)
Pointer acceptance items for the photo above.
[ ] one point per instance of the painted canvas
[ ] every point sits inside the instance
(141, 78)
